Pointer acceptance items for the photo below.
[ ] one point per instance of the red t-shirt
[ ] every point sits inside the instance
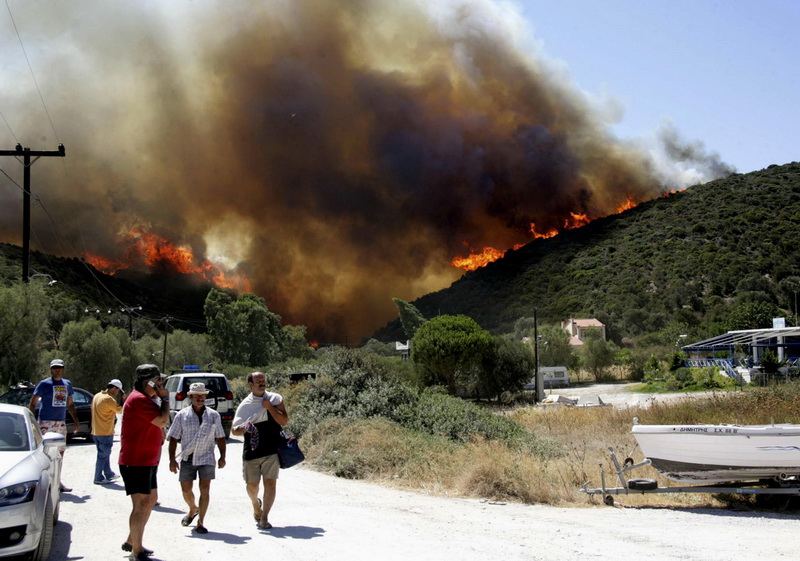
(140, 439)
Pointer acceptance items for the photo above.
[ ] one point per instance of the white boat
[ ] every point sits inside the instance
(721, 453)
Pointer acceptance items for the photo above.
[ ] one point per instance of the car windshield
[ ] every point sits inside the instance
(13, 433)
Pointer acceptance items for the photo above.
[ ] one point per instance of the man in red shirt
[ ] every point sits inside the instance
(144, 416)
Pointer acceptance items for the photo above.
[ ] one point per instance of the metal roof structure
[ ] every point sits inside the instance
(749, 337)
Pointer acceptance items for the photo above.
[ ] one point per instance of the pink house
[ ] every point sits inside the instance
(577, 327)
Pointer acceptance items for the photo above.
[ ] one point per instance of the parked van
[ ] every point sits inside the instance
(219, 397)
(552, 377)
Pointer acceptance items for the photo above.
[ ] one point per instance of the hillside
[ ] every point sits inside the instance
(179, 296)
(680, 258)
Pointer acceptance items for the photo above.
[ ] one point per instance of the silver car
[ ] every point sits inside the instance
(30, 474)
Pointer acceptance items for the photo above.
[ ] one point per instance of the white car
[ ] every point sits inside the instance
(30, 477)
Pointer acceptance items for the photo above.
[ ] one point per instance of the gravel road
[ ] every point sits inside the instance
(320, 517)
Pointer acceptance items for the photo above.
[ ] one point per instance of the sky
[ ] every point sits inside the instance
(723, 72)
(331, 156)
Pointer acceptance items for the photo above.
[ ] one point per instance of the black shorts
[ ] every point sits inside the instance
(139, 479)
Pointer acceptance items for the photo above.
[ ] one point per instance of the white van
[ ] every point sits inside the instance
(552, 377)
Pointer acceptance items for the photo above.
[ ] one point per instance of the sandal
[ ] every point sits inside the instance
(200, 529)
(186, 520)
(257, 515)
(264, 526)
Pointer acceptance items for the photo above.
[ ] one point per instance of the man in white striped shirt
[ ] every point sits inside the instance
(197, 428)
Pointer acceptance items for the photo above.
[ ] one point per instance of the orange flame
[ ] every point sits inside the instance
(155, 251)
(475, 260)
(627, 205)
(549, 234)
(490, 254)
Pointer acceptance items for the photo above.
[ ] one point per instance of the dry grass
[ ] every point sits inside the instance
(380, 450)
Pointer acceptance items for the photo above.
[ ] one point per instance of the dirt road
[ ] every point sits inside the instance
(319, 517)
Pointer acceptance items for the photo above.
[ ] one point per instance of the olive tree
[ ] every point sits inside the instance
(450, 350)
(23, 327)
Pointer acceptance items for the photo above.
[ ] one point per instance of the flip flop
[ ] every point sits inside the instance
(257, 515)
(264, 526)
(186, 520)
(200, 529)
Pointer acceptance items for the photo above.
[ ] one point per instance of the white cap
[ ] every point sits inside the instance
(56, 362)
(116, 383)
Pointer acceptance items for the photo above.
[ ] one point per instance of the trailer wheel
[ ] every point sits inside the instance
(627, 462)
(608, 500)
(642, 484)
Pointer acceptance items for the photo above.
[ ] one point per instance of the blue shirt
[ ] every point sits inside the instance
(53, 397)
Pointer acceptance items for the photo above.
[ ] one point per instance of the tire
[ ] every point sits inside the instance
(42, 551)
(642, 484)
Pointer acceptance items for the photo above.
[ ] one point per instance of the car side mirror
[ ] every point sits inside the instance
(54, 440)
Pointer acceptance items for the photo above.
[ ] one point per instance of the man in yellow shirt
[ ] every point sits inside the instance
(105, 407)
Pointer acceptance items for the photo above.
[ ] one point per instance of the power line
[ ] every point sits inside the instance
(27, 60)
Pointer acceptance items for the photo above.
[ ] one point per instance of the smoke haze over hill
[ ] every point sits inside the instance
(333, 154)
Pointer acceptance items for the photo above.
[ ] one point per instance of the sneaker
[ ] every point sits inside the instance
(64, 488)
(112, 478)
(101, 481)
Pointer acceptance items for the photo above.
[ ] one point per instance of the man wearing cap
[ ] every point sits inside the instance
(197, 428)
(144, 416)
(55, 394)
(105, 407)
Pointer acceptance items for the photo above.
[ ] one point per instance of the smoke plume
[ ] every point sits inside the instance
(337, 154)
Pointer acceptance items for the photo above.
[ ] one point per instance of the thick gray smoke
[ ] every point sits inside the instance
(338, 153)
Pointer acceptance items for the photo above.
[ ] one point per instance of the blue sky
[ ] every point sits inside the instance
(725, 72)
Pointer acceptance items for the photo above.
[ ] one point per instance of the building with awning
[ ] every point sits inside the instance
(744, 349)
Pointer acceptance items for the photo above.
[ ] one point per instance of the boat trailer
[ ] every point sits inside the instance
(788, 486)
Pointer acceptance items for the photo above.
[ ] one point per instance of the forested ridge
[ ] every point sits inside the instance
(684, 259)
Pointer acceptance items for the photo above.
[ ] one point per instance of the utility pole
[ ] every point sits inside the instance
(129, 311)
(26, 154)
(539, 385)
(164, 356)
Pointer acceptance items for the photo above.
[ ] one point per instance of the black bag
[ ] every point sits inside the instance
(289, 454)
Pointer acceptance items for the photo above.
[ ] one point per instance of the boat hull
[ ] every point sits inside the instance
(721, 453)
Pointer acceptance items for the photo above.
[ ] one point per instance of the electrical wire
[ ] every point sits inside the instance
(27, 60)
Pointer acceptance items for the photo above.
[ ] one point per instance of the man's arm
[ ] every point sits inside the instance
(222, 447)
(278, 412)
(74, 413)
(173, 446)
(163, 418)
(32, 404)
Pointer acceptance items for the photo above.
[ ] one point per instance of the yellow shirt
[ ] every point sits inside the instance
(104, 413)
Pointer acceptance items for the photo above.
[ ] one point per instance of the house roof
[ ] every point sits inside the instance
(588, 322)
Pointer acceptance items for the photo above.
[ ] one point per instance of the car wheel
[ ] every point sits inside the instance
(42, 551)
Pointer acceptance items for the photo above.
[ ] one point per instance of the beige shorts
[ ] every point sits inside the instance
(267, 467)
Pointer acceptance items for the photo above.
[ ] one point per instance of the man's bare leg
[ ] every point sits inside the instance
(140, 514)
(188, 496)
(270, 486)
(205, 488)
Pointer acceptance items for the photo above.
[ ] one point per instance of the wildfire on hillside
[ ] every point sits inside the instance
(490, 254)
(147, 249)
